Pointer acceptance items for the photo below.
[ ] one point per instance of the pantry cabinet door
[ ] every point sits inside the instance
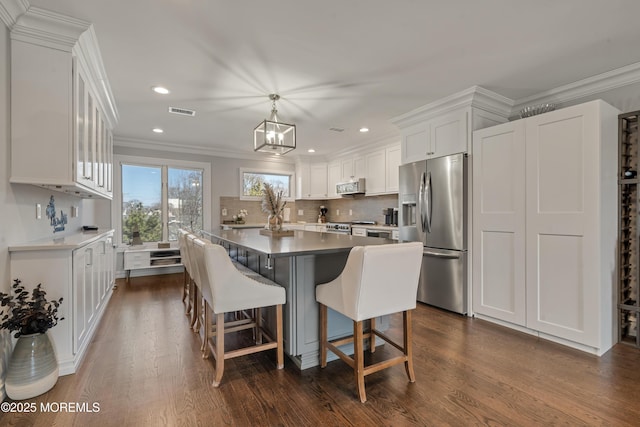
(499, 223)
(562, 214)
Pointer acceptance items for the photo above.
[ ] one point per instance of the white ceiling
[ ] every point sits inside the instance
(337, 63)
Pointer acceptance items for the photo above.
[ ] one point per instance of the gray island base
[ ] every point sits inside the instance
(298, 263)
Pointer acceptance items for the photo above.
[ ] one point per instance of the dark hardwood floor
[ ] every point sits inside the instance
(144, 368)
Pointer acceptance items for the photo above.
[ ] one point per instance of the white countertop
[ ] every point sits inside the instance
(68, 242)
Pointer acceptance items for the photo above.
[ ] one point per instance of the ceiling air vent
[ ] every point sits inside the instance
(337, 129)
(182, 111)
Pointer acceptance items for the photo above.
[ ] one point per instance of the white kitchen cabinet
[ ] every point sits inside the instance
(315, 227)
(382, 176)
(544, 218)
(376, 172)
(53, 99)
(334, 176)
(436, 137)
(393, 159)
(312, 181)
(415, 142)
(358, 231)
(448, 134)
(499, 222)
(353, 168)
(81, 270)
(318, 181)
(144, 257)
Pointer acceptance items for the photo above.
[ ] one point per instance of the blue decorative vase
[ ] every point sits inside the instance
(33, 368)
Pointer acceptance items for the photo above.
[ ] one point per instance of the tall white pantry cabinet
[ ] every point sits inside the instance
(545, 221)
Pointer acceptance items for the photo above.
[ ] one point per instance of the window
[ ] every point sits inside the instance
(157, 197)
(252, 183)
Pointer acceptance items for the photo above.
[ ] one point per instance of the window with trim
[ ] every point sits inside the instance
(252, 183)
(158, 197)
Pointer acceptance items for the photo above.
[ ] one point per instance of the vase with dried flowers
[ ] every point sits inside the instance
(33, 368)
(273, 205)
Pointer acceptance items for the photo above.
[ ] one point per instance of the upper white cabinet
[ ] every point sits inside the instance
(448, 134)
(544, 220)
(393, 160)
(376, 172)
(444, 127)
(353, 168)
(334, 176)
(62, 110)
(440, 136)
(312, 181)
(382, 175)
(317, 181)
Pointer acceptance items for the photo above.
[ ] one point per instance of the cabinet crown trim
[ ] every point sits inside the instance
(475, 96)
(47, 28)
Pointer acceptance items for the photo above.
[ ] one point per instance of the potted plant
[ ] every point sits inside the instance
(33, 368)
(239, 218)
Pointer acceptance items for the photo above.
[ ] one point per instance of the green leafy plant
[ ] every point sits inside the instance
(28, 314)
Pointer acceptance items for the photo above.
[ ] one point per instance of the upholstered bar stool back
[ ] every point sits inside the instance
(376, 281)
(233, 291)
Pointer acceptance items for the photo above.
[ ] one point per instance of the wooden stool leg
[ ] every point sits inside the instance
(257, 331)
(188, 310)
(408, 348)
(323, 335)
(358, 356)
(185, 285)
(207, 330)
(219, 349)
(279, 338)
(195, 321)
(372, 336)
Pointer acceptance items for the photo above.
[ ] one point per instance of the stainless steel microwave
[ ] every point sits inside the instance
(351, 187)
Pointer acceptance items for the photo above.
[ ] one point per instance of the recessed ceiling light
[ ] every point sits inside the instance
(364, 130)
(161, 90)
(311, 150)
(158, 130)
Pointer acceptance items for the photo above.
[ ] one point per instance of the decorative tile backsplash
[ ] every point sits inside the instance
(362, 208)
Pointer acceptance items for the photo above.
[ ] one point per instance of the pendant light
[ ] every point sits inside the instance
(272, 136)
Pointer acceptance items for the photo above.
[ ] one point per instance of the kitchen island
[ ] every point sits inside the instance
(297, 263)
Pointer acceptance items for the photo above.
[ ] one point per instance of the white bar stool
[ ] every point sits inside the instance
(376, 281)
(233, 291)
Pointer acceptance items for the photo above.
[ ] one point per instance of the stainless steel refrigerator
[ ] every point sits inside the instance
(433, 210)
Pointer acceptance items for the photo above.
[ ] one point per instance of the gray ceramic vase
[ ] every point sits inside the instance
(33, 368)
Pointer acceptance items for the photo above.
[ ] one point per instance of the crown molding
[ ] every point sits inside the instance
(366, 147)
(46, 28)
(56, 31)
(475, 96)
(600, 83)
(88, 51)
(10, 11)
(176, 147)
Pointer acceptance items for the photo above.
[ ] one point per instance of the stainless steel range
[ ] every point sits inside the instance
(339, 227)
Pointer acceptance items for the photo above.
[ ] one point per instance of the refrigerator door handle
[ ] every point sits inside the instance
(421, 210)
(441, 255)
(428, 202)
